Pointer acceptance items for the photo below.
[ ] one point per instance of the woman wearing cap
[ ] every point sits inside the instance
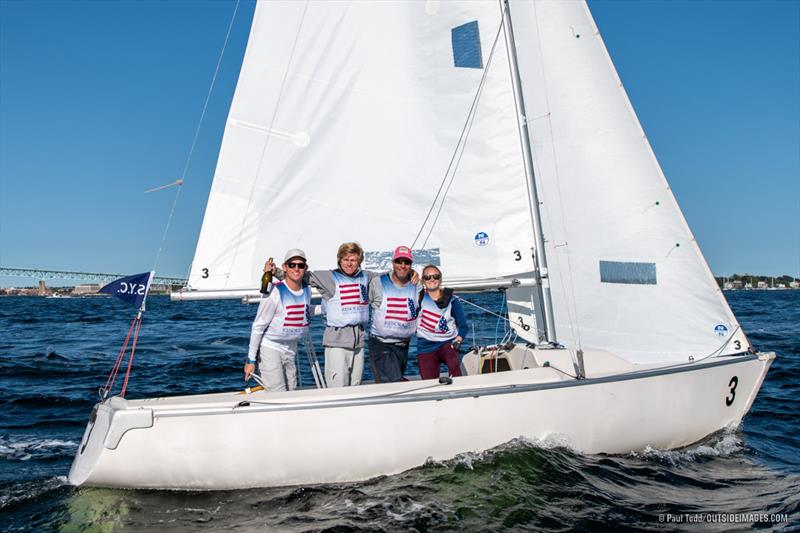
(392, 298)
(282, 318)
(441, 318)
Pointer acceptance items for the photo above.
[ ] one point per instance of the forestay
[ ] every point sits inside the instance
(343, 126)
(625, 271)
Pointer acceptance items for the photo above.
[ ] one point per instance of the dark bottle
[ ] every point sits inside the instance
(266, 280)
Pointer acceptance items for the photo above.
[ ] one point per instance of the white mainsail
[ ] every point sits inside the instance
(345, 120)
(345, 125)
(625, 270)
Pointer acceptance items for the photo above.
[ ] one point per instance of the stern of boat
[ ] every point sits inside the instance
(109, 421)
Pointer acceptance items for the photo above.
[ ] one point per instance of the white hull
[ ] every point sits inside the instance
(344, 435)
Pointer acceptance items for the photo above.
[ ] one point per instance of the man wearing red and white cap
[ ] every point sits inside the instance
(393, 301)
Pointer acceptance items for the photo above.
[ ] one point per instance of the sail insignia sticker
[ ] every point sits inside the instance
(720, 330)
(481, 238)
(466, 41)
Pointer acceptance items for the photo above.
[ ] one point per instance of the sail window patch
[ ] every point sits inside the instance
(467, 45)
(627, 272)
(382, 260)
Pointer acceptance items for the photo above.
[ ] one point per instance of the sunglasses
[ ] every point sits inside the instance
(402, 261)
(301, 266)
(428, 277)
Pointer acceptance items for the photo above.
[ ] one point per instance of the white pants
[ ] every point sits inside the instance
(277, 369)
(338, 362)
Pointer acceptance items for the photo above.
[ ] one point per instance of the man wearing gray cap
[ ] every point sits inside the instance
(282, 318)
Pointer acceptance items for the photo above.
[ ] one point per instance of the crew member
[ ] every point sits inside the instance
(441, 319)
(393, 300)
(282, 318)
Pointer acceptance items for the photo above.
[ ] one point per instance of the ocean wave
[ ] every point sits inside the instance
(27, 448)
(468, 460)
(24, 491)
(724, 444)
(47, 401)
(89, 319)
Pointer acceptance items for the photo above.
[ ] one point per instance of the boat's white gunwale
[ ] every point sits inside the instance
(255, 406)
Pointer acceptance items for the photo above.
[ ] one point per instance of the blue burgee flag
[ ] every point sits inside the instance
(132, 289)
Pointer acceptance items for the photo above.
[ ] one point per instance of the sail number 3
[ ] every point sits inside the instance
(732, 396)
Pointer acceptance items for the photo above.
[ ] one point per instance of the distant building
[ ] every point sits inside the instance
(795, 284)
(86, 288)
(737, 284)
(762, 285)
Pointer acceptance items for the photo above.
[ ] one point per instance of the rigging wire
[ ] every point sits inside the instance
(182, 179)
(137, 322)
(460, 145)
(481, 308)
(497, 326)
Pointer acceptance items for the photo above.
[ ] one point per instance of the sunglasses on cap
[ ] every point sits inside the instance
(299, 264)
(402, 261)
(428, 277)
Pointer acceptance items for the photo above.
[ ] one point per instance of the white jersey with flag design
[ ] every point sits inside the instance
(291, 318)
(349, 306)
(435, 324)
(396, 317)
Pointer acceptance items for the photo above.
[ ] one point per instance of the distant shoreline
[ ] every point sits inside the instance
(755, 282)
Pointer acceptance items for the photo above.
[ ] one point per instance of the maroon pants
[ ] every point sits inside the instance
(429, 362)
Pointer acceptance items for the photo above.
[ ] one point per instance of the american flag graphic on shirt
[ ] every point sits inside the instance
(353, 294)
(296, 316)
(433, 322)
(400, 309)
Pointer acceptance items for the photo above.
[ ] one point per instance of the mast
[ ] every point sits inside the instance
(539, 257)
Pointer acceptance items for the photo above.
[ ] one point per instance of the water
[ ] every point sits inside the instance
(54, 354)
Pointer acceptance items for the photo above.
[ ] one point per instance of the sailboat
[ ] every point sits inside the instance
(497, 137)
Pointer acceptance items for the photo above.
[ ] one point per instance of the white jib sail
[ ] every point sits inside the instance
(344, 123)
(625, 270)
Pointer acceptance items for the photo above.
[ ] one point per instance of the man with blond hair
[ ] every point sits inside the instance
(345, 301)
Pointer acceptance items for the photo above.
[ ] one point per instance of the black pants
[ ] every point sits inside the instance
(388, 360)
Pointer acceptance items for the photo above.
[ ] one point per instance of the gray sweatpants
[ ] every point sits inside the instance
(277, 368)
(337, 366)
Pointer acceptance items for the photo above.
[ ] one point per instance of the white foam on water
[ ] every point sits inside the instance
(407, 511)
(25, 448)
(549, 442)
(27, 490)
(350, 505)
(468, 459)
(728, 444)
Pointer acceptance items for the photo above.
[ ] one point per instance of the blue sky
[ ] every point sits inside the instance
(99, 101)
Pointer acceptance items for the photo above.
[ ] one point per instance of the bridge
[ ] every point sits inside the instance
(39, 274)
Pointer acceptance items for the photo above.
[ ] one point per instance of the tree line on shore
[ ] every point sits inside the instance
(753, 279)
